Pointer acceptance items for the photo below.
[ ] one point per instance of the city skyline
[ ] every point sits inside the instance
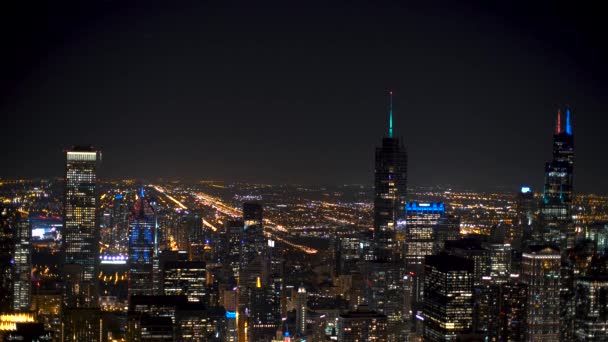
(192, 77)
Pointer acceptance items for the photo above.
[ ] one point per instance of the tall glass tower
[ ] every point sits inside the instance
(142, 247)
(80, 231)
(390, 186)
(556, 208)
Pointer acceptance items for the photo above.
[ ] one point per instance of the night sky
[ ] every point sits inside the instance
(296, 91)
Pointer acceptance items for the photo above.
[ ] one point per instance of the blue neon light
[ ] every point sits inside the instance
(118, 197)
(230, 314)
(425, 207)
(525, 189)
(568, 126)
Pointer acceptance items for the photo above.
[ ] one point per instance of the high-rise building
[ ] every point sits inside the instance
(390, 190)
(22, 267)
(556, 206)
(9, 219)
(142, 247)
(591, 322)
(421, 222)
(448, 297)
(80, 231)
(541, 273)
(263, 322)
(232, 245)
(186, 278)
(253, 232)
(301, 307)
(362, 325)
(525, 208)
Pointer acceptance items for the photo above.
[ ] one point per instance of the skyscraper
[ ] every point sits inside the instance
(8, 222)
(541, 273)
(22, 268)
(142, 248)
(80, 232)
(421, 222)
(362, 325)
(448, 297)
(301, 307)
(556, 208)
(390, 189)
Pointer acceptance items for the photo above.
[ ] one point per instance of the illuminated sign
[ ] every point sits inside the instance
(230, 314)
(525, 189)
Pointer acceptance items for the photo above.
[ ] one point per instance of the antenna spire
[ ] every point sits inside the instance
(390, 115)
(568, 125)
(558, 126)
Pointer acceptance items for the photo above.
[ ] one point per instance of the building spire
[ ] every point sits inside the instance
(568, 125)
(558, 126)
(390, 115)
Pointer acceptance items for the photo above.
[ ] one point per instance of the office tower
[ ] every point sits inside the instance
(196, 237)
(390, 190)
(541, 273)
(82, 324)
(362, 325)
(186, 278)
(120, 223)
(46, 305)
(446, 229)
(556, 206)
(263, 322)
(591, 322)
(142, 232)
(301, 307)
(231, 331)
(80, 232)
(253, 233)
(421, 219)
(448, 297)
(472, 249)
(22, 266)
(598, 233)
(525, 209)
(8, 222)
(232, 248)
(499, 263)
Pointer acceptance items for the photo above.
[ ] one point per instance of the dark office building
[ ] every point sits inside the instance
(448, 297)
(390, 190)
(80, 231)
(362, 325)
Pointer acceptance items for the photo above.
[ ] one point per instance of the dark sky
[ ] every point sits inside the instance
(295, 91)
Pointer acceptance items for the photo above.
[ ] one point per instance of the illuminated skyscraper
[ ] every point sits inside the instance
(390, 189)
(591, 323)
(186, 278)
(448, 297)
(556, 208)
(301, 307)
(421, 221)
(253, 243)
(22, 268)
(142, 248)
(80, 232)
(525, 208)
(541, 273)
(9, 218)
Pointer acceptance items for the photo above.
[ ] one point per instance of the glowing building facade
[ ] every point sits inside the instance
(142, 248)
(80, 231)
